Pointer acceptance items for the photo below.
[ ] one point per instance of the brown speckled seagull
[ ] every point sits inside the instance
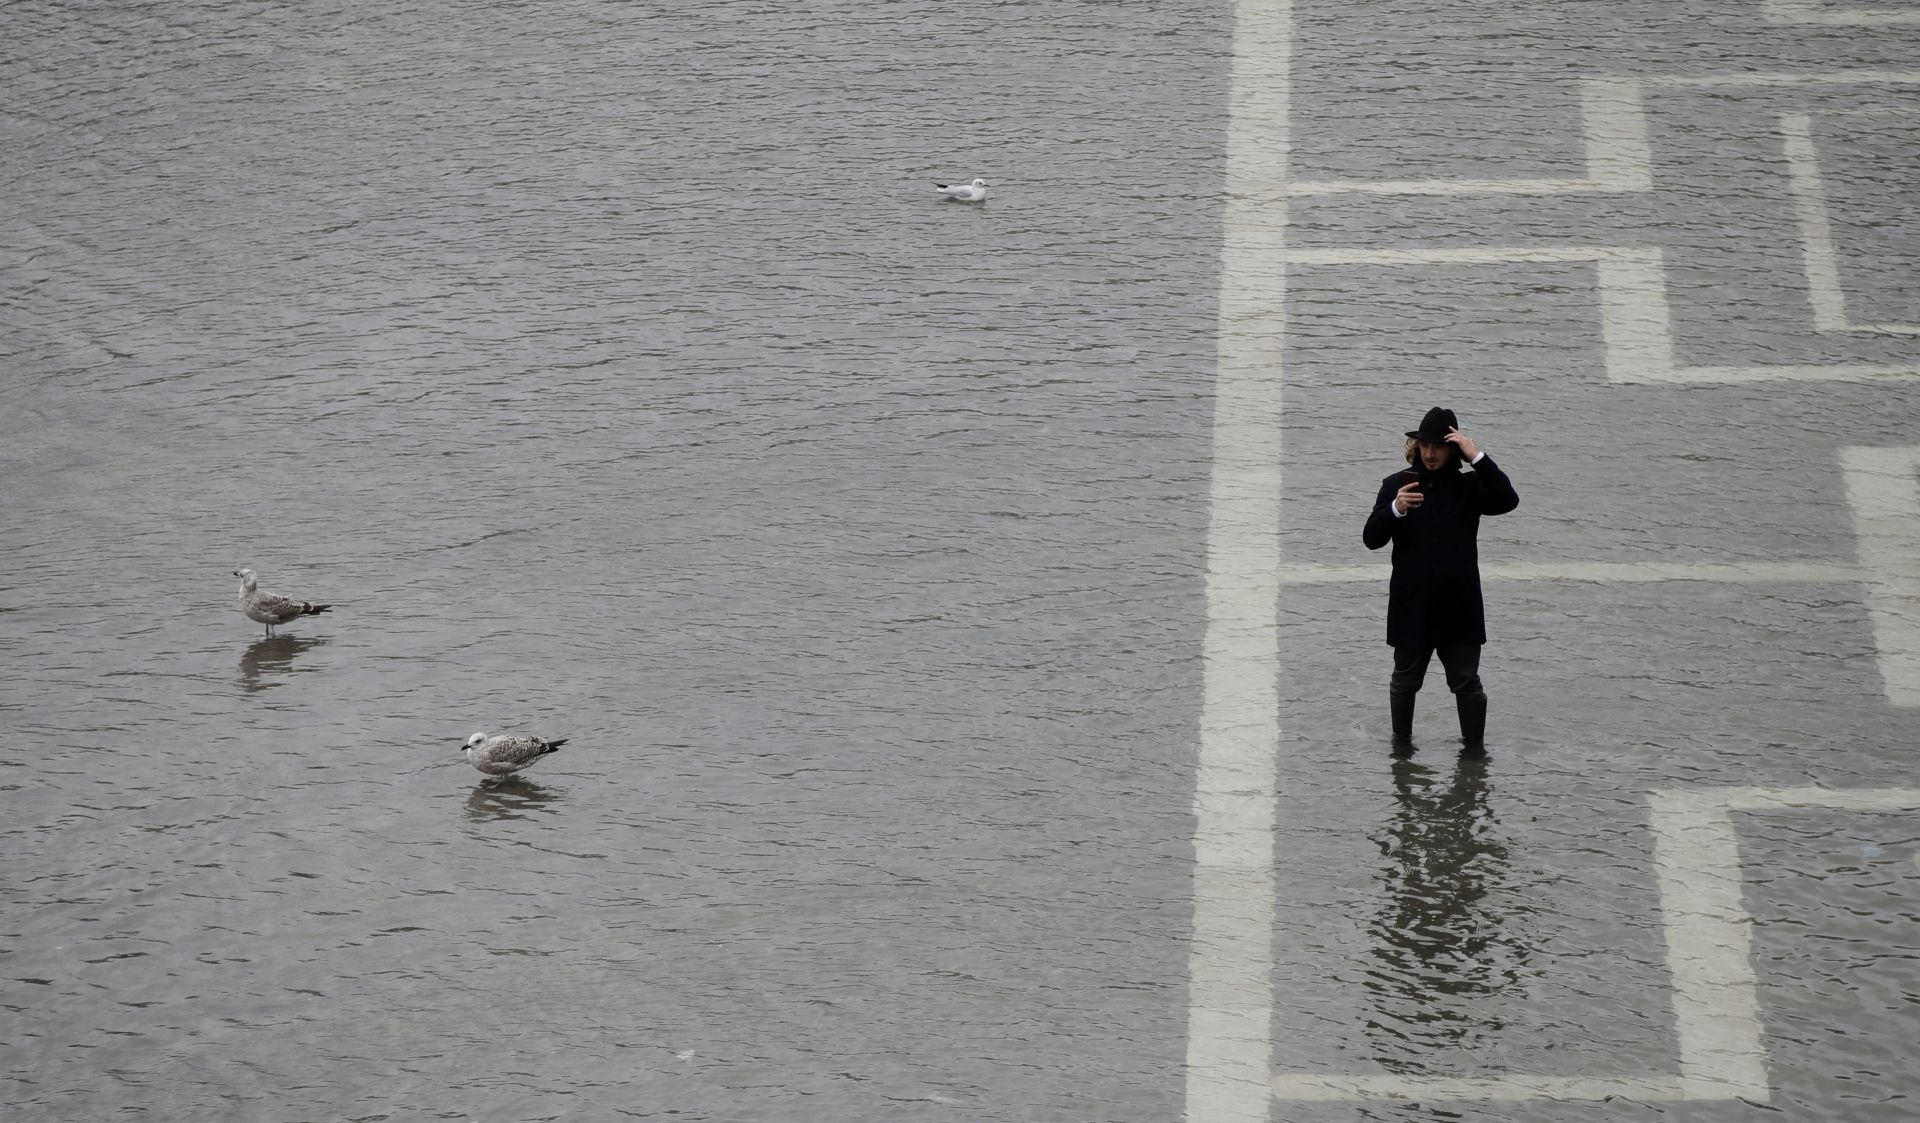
(506, 753)
(271, 608)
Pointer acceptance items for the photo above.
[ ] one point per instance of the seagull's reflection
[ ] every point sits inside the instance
(271, 656)
(1443, 940)
(508, 797)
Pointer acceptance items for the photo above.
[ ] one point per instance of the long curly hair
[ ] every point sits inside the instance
(1413, 454)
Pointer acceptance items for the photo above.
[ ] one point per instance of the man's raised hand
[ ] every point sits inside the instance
(1464, 443)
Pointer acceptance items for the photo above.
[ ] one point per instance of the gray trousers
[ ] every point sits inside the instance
(1462, 663)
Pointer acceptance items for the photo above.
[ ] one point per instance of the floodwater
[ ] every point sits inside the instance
(618, 376)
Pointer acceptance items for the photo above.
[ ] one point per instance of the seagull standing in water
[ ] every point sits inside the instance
(506, 754)
(271, 608)
(975, 192)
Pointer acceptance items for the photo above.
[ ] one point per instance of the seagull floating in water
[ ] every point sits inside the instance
(271, 608)
(506, 754)
(975, 192)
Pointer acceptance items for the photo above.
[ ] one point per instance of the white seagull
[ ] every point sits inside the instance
(975, 192)
(506, 753)
(271, 608)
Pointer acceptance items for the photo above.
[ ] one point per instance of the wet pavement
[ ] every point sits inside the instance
(619, 376)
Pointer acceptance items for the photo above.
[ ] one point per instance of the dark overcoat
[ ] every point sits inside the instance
(1434, 597)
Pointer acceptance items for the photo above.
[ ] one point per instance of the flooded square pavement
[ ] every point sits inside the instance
(973, 675)
(1704, 612)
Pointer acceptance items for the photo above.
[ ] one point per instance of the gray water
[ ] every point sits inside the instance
(618, 376)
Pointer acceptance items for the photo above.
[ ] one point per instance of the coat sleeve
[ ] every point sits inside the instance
(1495, 495)
(1381, 523)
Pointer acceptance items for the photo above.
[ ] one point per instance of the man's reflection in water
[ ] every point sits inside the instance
(1442, 943)
(265, 658)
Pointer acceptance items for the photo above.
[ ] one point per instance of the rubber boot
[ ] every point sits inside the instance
(1473, 722)
(1402, 705)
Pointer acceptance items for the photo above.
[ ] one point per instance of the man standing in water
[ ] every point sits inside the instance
(1431, 513)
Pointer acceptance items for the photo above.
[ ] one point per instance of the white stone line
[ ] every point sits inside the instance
(1716, 1010)
(1886, 329)
(1872, 111)
(1860, 800)
(1230, 960)
(1824, 291)
(1733, 376)
(1635, 318)
(1883, 491)
(1457, 255)
(1606, 573)
(1613, 124)
(1522, 186)
(1816, 227)
(1788, 79)
(1813, 12)
(1709, 949)
(1614, 131)
(1636, 322)
(1637, 326)
(1325, 1088)
(1614, 120)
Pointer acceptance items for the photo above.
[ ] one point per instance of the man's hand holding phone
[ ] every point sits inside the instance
(1409, 495)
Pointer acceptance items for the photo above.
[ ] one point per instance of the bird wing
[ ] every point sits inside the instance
(275, 605)
(516, 750)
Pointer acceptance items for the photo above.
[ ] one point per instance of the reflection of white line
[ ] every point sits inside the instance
(1829, 300)
(1813, 12)
(1635, 318)
(1301, 1086)
(1606, 573)
(1230, 960)
(1716, 1012)
(1884, 492)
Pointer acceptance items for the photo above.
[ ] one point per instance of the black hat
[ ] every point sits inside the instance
(1434, 426)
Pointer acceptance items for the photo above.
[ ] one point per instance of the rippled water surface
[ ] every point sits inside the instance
(616, 373)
